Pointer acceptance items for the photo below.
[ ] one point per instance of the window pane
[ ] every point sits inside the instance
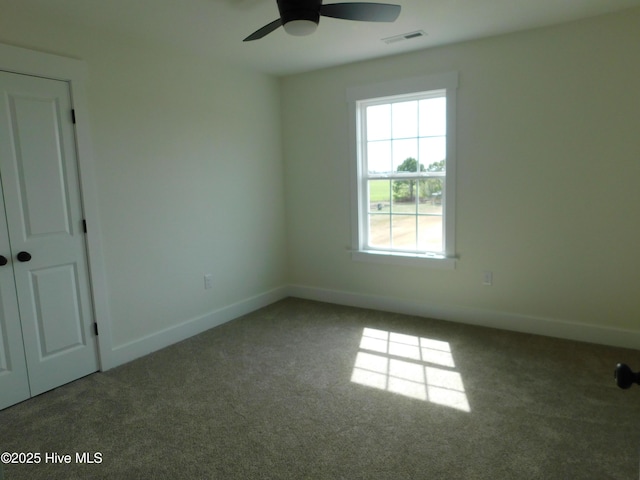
(402, 151)
(379, 122)
(433, 115)
(380, 230)
(404, 196)
(404, 232)
(379, 157)
(430, 233)
(432, 150)
(405, 119)
(431, 206)
(379, 196)
(430, 195)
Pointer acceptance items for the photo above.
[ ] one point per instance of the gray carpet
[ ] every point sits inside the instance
(306, 390)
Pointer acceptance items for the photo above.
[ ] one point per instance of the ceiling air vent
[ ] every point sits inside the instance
(405, 36)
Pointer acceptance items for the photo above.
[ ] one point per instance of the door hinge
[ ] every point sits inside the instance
(84, 225)
(95, 328)
(73, 116)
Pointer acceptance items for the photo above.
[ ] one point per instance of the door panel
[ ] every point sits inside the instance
(58, 310)
(39, 173)
(36, 125)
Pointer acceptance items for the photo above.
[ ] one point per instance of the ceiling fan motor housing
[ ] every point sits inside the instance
(291, 10)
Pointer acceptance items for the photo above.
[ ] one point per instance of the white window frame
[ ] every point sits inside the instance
(357, 98)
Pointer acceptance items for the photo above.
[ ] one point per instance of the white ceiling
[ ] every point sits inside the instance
(216, 28)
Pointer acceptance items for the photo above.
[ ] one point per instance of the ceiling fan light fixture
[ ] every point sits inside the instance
(300, 28)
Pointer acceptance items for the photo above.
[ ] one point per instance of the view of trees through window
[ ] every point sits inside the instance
(407, 190)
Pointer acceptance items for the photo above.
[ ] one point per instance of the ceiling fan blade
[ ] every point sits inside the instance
(266, 30)
(365, 12)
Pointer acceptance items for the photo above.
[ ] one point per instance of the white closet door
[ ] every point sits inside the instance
(39, 173)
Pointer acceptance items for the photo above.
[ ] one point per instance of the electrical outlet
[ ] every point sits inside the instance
(208, 281)
(487, 278)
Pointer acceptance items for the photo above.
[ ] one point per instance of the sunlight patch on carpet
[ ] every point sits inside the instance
(416, 367)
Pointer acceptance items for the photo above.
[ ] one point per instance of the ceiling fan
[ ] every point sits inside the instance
(301, 17)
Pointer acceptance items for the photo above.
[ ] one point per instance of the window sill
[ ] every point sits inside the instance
(405, 259)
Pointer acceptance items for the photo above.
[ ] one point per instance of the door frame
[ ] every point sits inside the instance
(31, 62)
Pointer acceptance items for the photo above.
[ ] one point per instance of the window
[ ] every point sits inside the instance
(403, 134)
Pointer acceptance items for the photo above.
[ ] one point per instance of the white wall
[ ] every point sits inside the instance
(548, 178)
(189, 171)
(189, 177)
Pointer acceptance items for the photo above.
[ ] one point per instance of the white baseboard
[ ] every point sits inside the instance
(156, 341)
(472, 316)
(549, 327)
